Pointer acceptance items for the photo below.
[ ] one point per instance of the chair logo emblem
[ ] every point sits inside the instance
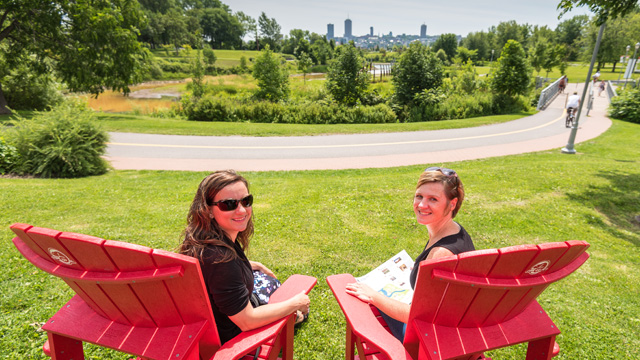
(61, 257)
(538, 268)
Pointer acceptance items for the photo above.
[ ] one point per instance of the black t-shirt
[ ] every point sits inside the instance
(456, 243)
(229, 285)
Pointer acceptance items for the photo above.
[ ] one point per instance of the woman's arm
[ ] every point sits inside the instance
(252, 318)
(394, 308)
(258, 266)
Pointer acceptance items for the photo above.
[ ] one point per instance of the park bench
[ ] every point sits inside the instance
(146, 302)
(467, 304)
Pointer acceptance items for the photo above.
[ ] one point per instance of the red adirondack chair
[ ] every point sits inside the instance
(467, 304)
(142, 301)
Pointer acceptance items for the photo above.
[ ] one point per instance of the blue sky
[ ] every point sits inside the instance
(403, 16)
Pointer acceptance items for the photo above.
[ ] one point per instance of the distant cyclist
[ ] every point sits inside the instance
(572, 105)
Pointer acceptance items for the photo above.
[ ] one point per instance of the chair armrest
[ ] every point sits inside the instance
(363, 322)
(249, 340)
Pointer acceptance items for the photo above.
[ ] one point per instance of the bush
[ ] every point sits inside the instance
(433, 105)
(626, 106)
(8, 157)
(24, 89)
(64, 142)
(211, 108)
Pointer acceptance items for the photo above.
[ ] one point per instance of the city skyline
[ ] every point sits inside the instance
(403, 16)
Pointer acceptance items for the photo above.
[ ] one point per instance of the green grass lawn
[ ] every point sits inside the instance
(328, 222)
(144, 124)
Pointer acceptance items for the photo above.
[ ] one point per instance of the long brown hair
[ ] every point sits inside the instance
(453, 188)
(202, 229)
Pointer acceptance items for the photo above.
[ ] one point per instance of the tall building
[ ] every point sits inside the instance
(330, 33)
(347, 29)
(371, 31)
(423, 31)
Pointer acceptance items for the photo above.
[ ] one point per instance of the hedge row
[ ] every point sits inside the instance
(211, 108)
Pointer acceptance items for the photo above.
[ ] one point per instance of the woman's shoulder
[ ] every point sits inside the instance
(459, 242)
(213, 252)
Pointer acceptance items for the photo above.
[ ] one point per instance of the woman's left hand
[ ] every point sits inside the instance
(258, 266)
(361, 291)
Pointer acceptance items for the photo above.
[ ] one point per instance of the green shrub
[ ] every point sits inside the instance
(435, 106)
(211, 108)
(319, 69)
(8, 157)
(25, 89)
(626, 106)
(64, 142)
(207, 108)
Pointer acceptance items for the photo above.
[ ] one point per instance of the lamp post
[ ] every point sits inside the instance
(626, 55)
(633, 67)
(569, 148)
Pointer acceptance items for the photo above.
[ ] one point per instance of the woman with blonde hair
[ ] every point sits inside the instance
(437, 199)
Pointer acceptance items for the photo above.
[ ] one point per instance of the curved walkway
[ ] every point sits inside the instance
(542, 131)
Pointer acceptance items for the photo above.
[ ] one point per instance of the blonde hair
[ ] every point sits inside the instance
(453, 188)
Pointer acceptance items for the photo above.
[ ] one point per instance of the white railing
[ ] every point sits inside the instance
(548, 94)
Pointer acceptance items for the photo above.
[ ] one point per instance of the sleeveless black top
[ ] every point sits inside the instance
(456, 243)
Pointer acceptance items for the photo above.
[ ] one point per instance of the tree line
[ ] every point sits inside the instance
(93, 46)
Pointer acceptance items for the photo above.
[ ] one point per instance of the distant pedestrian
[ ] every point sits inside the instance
(601, 88)
(562, 84)
(596, 77)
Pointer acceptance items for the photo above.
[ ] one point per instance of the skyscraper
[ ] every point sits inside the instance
(371, 31)
(330, 34)
(347, 29)
(423, 31)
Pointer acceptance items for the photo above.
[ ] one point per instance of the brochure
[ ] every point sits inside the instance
(392, 278)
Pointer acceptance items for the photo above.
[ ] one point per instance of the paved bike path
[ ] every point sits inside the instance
(542, 131)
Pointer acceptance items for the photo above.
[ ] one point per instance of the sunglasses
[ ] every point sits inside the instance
(232, 204)
(445, 171)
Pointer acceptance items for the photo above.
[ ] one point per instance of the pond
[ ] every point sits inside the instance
(143, 98)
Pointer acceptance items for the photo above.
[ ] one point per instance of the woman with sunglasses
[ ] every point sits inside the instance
(438, 197)
(219, 228)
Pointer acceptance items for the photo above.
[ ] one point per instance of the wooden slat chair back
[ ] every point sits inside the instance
(142, 301)
(467, 304)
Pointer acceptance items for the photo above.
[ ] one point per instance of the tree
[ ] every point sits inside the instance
(417, 69)
(293, 42)
(346, 80)
(537, 54)
(220, 28)
(480, 41)
(465, 55)
(569, 32)
(321, 50)
(273, 79)
(604, 9)
(304, 64)
(270, 31)
(175, 29)
(197, 85)
(92, 46)
(249, 27)
(440, 54)
(448, 43)
(513, 74)
(618, 33)
(510, 30)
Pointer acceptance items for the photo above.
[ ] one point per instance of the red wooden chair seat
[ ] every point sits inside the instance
(142, 301)
(467, 304)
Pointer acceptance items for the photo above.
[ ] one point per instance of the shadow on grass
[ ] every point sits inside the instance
(617, 201)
